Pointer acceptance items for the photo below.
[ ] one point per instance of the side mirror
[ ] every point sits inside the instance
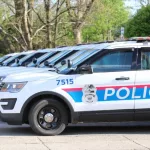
(34, 60)
(68, 62)
(85, 69)
(17, 60)
(51, 65)
(46, 63)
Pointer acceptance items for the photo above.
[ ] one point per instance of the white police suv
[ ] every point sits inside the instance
(5, 57)
(107, 82)
(12, 59)
(52, 57)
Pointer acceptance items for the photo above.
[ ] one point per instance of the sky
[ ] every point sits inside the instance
(134, 4)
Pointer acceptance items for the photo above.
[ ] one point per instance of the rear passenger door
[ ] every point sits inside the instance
(142, 85)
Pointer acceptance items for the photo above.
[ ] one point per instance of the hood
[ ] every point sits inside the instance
(10, 68)
(30, 76)
(21, 70)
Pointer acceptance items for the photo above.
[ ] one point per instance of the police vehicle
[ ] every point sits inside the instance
(52, 56)
(20, 65)
(18, 56)
(105, 82)
(5, 57)
(28, 58)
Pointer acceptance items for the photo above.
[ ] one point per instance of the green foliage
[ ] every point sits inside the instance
(106, 17)
(103, 23)
(139, 25)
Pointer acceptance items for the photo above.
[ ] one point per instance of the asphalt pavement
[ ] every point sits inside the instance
(101, 136)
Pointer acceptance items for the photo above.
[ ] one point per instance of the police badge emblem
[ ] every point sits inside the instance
(89, 94)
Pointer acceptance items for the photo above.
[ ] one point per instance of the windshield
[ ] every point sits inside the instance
(12, 59)
(29, 59)
(4, 58)
(26, 57)
(43, 58)
(56, 57)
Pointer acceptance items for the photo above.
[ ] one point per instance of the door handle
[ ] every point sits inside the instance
(122, 78)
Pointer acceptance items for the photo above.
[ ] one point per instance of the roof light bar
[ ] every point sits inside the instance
(139, 39)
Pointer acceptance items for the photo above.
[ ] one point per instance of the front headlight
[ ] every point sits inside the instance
(12, 87)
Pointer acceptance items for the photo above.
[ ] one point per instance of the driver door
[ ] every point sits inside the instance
(106, 94)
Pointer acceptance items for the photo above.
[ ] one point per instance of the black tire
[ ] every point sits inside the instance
(39, 125)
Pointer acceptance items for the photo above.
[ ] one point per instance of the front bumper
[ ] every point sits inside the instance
(12, 119)
(8, 104)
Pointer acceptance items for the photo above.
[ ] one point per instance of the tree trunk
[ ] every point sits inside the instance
(22, 21)
(56, 24)
(104, 35)
(25, 25)
(18, 8)
(55, 33)
(77, 35)
(78, 15)
(48, 28)
(30, 16)
(8, 43)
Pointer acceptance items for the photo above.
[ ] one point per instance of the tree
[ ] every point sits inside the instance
(139, 25)
(77, 15)
(34, 24)
(105, 18)
(47, 4)
(54, 19)
(23, 21)
(53, 10)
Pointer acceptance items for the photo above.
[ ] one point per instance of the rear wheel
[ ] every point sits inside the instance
(48, 117)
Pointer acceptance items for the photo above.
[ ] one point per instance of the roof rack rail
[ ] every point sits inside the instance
(139, 39)
(110, 41)
(94, 43)
(61, 46)
(82, 44)
(99, 42)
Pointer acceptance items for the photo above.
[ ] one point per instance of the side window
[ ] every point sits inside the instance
(145, 60)
(113, 61)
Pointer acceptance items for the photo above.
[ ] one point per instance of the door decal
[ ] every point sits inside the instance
(91, 94)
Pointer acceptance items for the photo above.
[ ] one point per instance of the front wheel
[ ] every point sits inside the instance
(48, 117)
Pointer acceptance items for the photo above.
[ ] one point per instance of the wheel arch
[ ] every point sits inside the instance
(46, 94)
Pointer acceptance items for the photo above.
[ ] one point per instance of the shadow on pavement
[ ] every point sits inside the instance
(9, 130)
(81, 129)
(106, 130)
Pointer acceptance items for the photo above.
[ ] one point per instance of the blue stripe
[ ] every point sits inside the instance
(77, 95)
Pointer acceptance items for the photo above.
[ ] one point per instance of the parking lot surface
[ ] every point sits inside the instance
(79, 137)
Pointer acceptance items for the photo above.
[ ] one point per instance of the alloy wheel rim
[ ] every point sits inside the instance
(49, 118)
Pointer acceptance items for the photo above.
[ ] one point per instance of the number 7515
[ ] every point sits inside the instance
(65, 81)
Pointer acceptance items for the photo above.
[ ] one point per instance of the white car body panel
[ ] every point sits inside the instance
(25, 70)
(47, 82)
(100, 91)
(142, 81)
